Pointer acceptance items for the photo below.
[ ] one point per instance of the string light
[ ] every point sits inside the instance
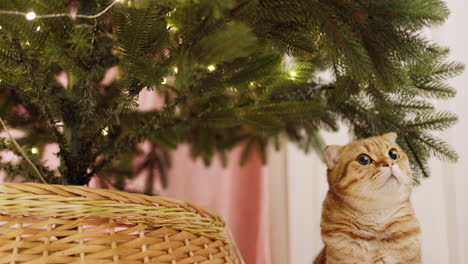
(171, 27)
(38, 28)
(293, 73)
(0, 27)
(105, 131)
(211, 68)
(176, 70)
(171, 12)
(31, 15)
(27, 43)
(164, 81)
(34, 150)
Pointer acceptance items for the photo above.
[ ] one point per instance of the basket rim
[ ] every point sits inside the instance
(80, 202)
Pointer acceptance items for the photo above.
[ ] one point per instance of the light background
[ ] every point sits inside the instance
(441, 202)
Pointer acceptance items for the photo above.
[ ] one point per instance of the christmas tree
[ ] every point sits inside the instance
(229, 72)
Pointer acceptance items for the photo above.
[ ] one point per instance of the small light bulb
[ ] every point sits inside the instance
(176, 70)
(105, 131)
(31, 15)
(171, 12)
(171, 27)
(164, 81)
(211, 68)
(293, 73)
(27, 43)
(34, 150)
(0, 27)
(38, 28)
(252, 84)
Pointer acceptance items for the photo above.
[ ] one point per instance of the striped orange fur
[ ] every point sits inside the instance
(367, 216)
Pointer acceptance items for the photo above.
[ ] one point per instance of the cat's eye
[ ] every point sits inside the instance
(363, 159)
(393, 154)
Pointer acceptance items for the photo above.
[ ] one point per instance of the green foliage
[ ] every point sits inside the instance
(230, 73)
(225, 44)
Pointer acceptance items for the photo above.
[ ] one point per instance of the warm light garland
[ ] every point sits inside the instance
(35, 150)
(105, 131)
(31, 15)
(211, 68)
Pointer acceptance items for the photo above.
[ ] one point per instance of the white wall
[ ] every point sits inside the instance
(454, 34)
(307, 188)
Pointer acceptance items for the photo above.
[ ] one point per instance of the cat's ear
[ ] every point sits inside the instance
(332, 155)
(390, 137)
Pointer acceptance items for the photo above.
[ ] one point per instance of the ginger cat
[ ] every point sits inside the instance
(367, 216)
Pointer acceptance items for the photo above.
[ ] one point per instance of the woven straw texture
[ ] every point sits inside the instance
(74, 224)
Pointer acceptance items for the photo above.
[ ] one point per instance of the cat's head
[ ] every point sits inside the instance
(374, 170)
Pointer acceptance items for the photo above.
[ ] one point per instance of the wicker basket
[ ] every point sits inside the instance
(73, 224)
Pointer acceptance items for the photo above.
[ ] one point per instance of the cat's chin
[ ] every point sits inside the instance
(394, 190)
(392, 179)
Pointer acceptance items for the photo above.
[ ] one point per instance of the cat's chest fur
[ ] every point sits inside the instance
(353, 238)
(384, 243)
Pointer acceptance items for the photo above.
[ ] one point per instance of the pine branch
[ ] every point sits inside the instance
(123, 143)
(435, 89)
(415, 157)
(433, 121)
(436, 147)
(42, 104)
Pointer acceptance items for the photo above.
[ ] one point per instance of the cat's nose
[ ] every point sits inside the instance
(388, 163)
